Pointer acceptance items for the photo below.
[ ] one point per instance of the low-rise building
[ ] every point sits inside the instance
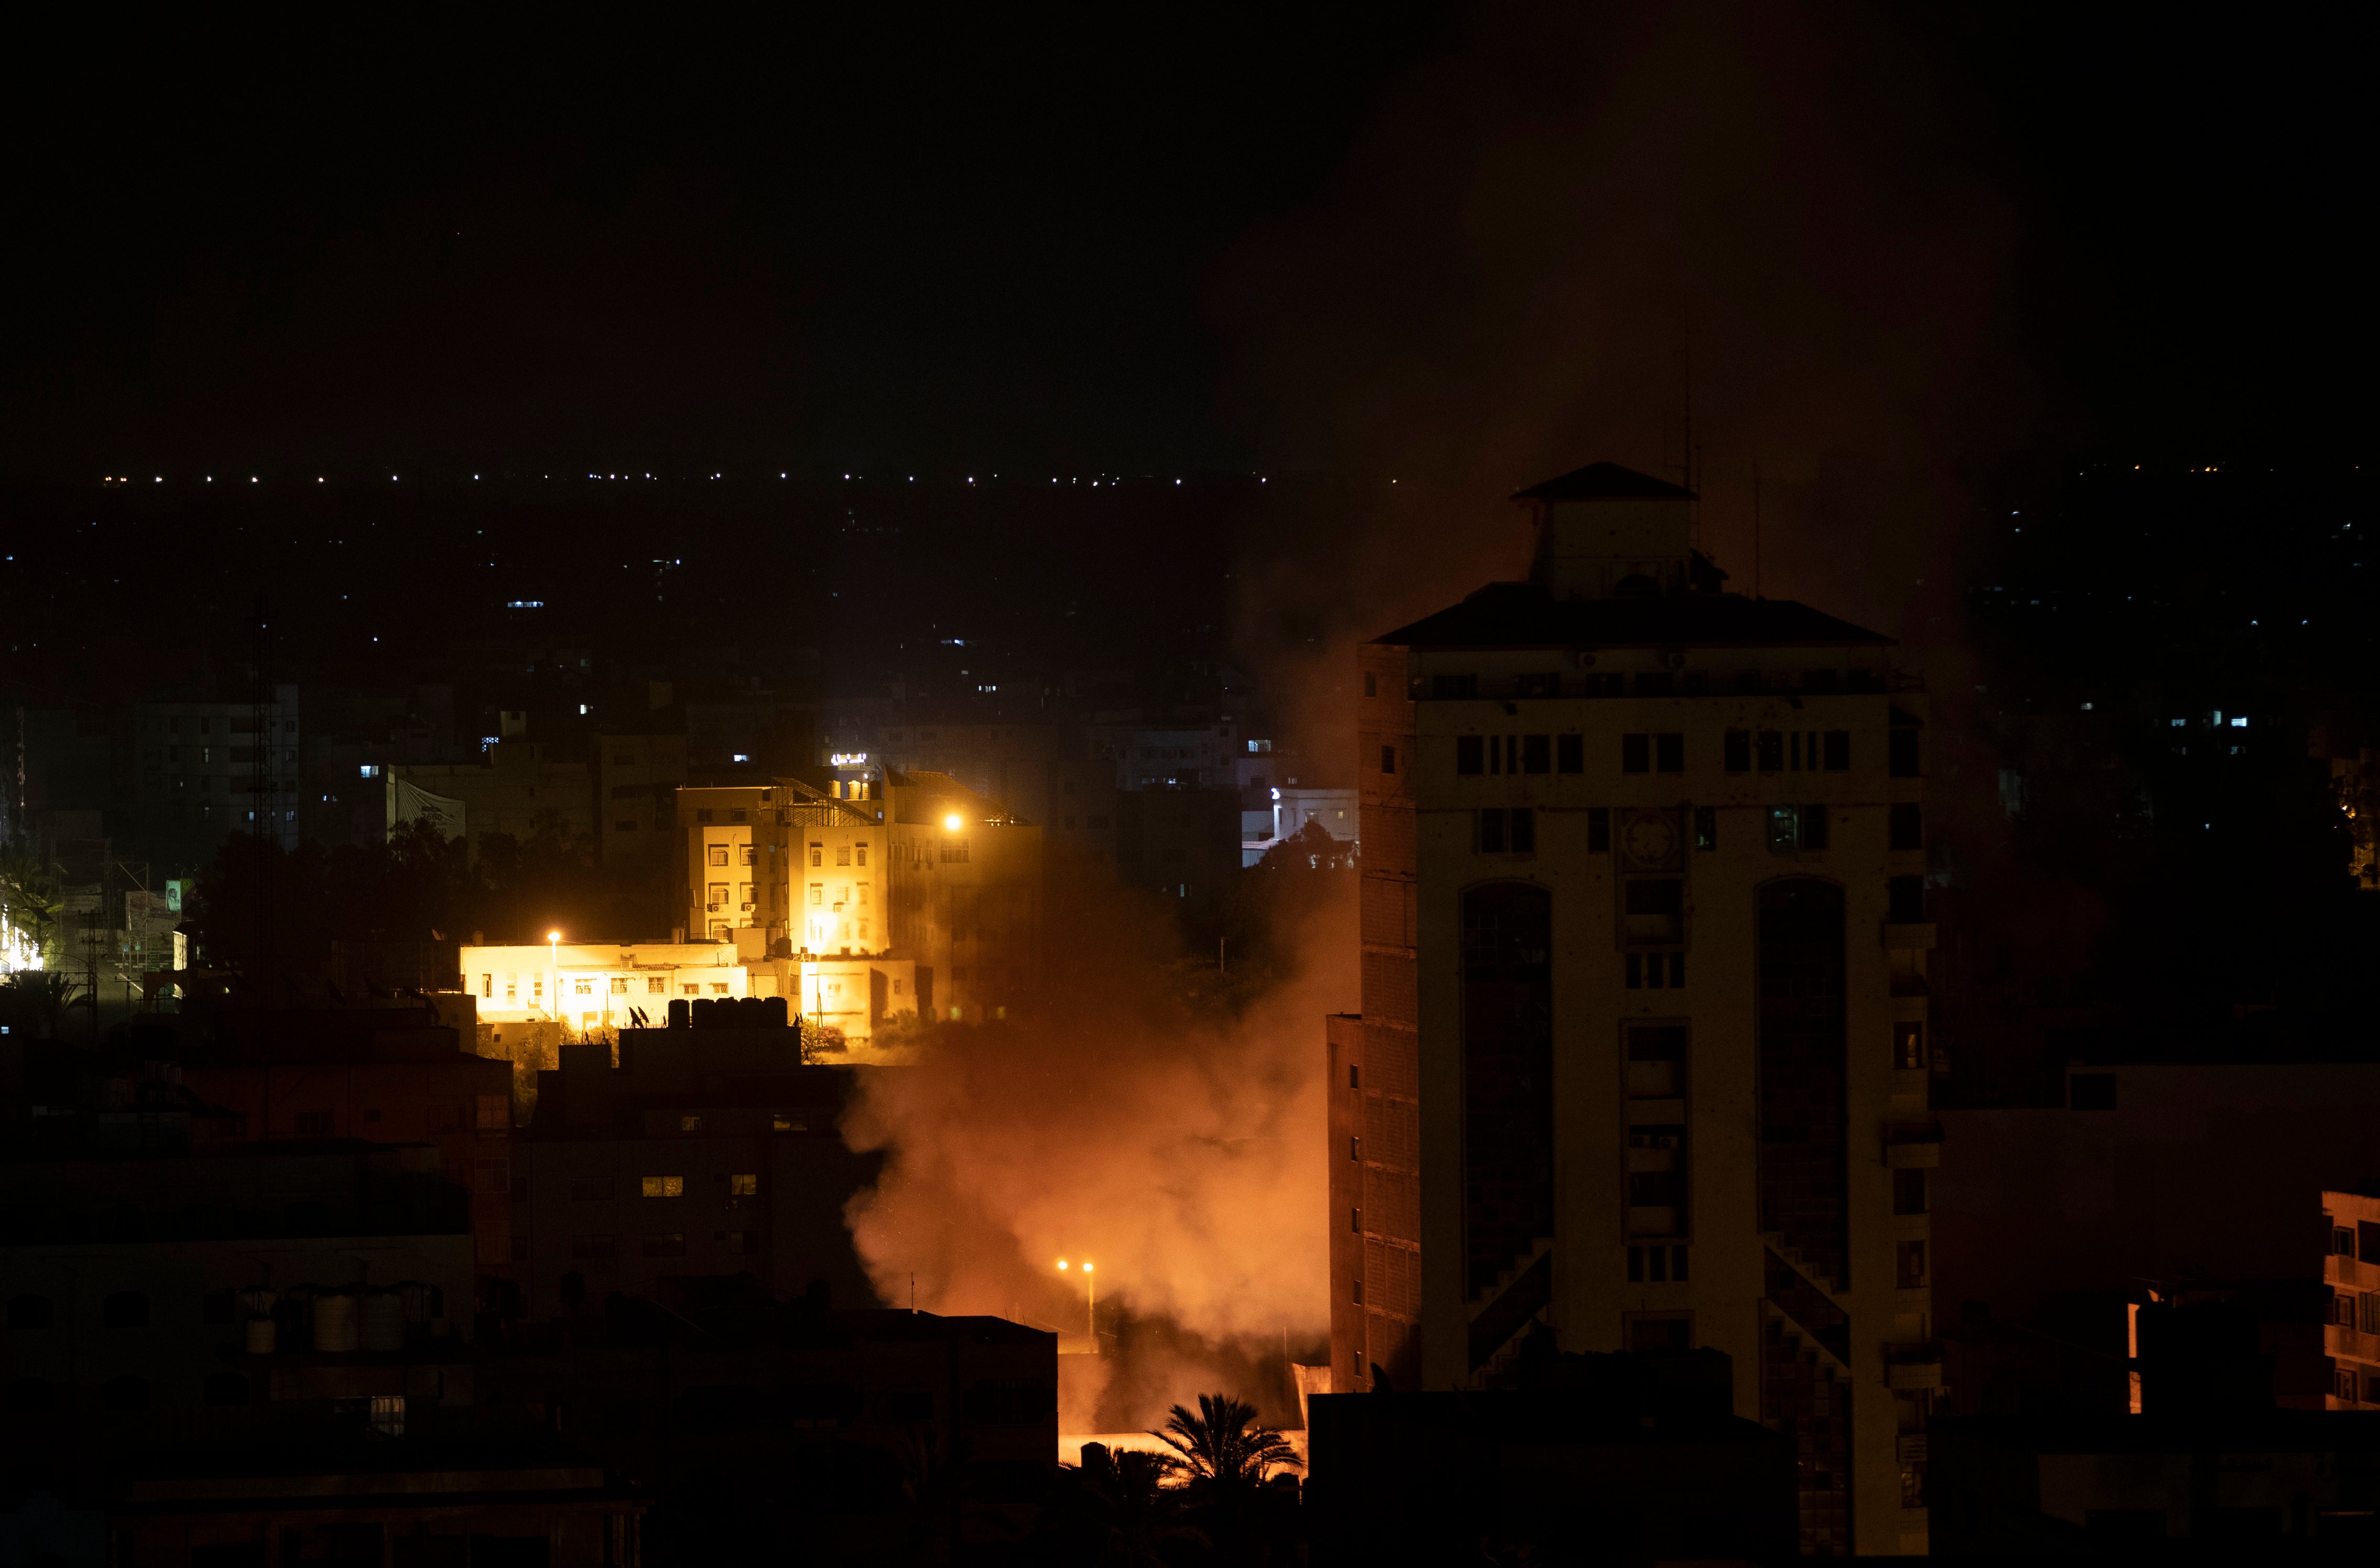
(516, 788)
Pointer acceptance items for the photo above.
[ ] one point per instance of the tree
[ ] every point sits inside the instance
(1222, 1451)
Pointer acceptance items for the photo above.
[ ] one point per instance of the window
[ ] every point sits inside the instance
(1909, 1264)
(1792, 829)
(719, 855)
(1838, 748)
(1525, 830)
(1908, 901)
(817, 855)
(688, 1125)
(1355, 1220)
(1537, 754)
(1371, 683)
(1607, 685)
(1909, 1192)
(1907, 824)
(1388, 758)
(1654, 971)
(656, 986)
(1705, 827)
(1669, 753)
(594, 1248)
(1769, 745)
(818, 894)
(1598, 829)
(1635, 753)
(843, 854)
(619, 985)
(747, 1185)
(1901, 753)
(386, 1413)
(1355, 1148)
(1354, 1075)
(663, 1187)
(1452, 689)
(1908, 1045)
(1513, 831)
(1655, 684)
(492, 1113)
(861, 850)
(718, 895)
(125, 1309)
(664, 1243)
(315, 1124)
(1468, 754)
(1569, 754)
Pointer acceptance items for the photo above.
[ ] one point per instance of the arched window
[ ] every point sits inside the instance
(1803, 1119)
(227, 1387)
(31, 1312)
(125, 1309)
(1508, 1069)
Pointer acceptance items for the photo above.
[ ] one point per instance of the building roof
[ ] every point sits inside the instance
(1519, 614)
(1604, 481)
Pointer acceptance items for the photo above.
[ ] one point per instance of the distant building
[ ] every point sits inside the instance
(637, 780)
(517, 790)
(198, 768)
(595, 988)
(1642, 1049)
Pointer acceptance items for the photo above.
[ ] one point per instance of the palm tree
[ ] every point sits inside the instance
(1222, 1451)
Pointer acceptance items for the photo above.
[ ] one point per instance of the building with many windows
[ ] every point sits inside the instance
(1642, 1051)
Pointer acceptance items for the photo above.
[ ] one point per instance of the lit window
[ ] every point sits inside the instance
(619, 985)
(719, 988)
(719, 855)
(744, 1186)
(663, 1187)
(656, 986)
(818, 894)
(388, 1414)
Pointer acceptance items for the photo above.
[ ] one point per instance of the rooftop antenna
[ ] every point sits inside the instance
(1756, 530)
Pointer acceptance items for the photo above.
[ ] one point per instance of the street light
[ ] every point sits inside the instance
(553, 948)
(951, 823)
(1090, 1304)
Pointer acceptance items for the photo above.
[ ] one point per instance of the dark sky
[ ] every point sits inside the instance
(1466, 242)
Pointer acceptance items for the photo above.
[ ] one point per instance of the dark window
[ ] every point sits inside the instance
(1736, 751)
(1656, 911)
(1903, 754)
(1837, 750)
(1355, 1220)
(31, 1312)
(1698, 683)
(227, 1388)
(1354, 1148)
(1677, 970)
(1909, 1264)
(1354, 1076)
(125, 1309)
(1453, 688)
(1634, 968)
(1705, 827)
(1537, 754)
(1908, 897)
(1908, 1044)
(1371, 688)
(1388, 758)
(665, 1244)
(2368, 1233)
(1598, 829)
(1547, 684)
(2091, 1091)
(1635, 753)
(590, 1189)
(1907, 822)
(595, 1249)
(1607, 685)
(1492, 831)
(1525, 830)
(1819, 681)
(1569, 754)
(1772, 749)
(1678, 1264)
(1909, 1192)
(1660, 684)
(1814, 827)
(1747, 682)
(1669, 753)
(1656, 1189)
(1635, 1265)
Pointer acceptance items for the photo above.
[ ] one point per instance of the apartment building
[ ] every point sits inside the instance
(2350, 1333)
(1641, 1060)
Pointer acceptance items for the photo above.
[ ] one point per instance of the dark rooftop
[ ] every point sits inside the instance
(1518, 614)
(1603, 482)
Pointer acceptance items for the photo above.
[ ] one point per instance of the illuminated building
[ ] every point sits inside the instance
(2350, 1334)
(880, 894)
(1642, 1051)
(591, 987)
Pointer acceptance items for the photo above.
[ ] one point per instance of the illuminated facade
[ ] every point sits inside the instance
(2350, 1333)
(590, 988)
(1642, 1056)
(882, 894)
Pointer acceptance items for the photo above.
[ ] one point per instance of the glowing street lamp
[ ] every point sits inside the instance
(951, 823)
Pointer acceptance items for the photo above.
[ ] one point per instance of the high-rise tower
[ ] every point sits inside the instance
(1641, 1062)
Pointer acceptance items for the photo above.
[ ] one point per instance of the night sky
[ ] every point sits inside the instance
(1465, 244)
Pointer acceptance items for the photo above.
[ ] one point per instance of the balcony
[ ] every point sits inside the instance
(1912, 1365)
(1909, 1145)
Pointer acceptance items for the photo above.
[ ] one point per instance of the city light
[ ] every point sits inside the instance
(951, 823)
